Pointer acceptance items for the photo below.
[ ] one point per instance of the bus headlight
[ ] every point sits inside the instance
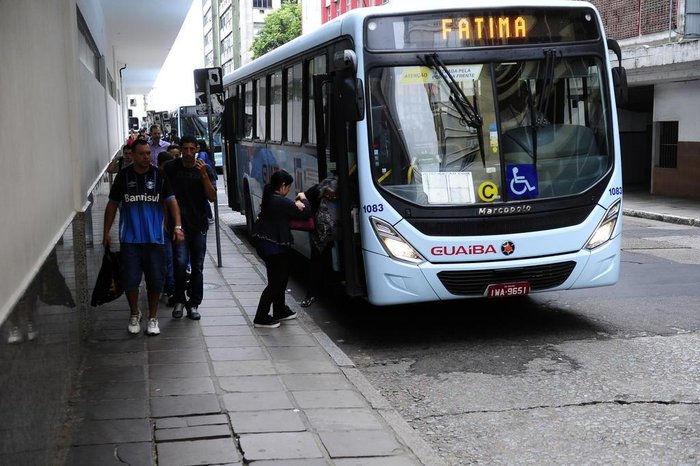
(393, 242)
(606, 226)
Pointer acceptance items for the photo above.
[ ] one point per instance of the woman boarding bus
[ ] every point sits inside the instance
(476, 148)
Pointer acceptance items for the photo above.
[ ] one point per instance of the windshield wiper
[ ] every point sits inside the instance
(540, 120)
(468, 112)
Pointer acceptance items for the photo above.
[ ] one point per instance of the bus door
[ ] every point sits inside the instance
(339, 89)
(230, 123)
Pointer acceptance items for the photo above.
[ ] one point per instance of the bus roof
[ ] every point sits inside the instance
(346, 24)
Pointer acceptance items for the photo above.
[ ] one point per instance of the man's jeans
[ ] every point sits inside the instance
(191, 251)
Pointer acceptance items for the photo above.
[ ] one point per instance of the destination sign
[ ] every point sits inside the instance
(466, 29)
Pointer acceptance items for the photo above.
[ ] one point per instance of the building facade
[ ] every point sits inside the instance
(658, 127)
(230, 28)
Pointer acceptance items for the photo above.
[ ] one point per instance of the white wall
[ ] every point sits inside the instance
(54, 121)
(679, 102)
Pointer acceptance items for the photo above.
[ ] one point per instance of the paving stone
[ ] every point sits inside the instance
(266, 421)
(177, 356)
(115, 374)
(170, 371)
(169, 406)
(182, 386)
(210, 451)
(328, 399)
(251, 383)
(134, 454)
(360, 443)
(289, 327)
(227, 330)
(193, 432)
(376, 461)
(343, 419)
(298, 353)
(256, 401)
(215, 321)
(116, 409)
(231, 341)
(113, 431)
(239, 368)
(283, 445)
(162, 342)
(287, 462)
(305, 367)
(288, 340)
(315, 381)
(115, 390)
(249, 353)
(175, 422)
(219, 311)
(116, 359)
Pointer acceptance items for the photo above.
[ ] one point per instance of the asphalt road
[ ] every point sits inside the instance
(602, 376)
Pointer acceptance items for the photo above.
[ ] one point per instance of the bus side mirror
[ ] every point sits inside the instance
(619, 75)
(352, 99)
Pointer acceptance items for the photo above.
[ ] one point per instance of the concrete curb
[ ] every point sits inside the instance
(694, 222)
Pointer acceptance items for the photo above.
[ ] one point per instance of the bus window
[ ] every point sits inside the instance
(276, 106)
(294, 98)
(261, 109)
(248, 120)
(317, 66)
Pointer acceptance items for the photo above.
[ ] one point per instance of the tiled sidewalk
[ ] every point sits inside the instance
(219, 391)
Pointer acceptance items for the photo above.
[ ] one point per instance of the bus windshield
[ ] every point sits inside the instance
(476, 133)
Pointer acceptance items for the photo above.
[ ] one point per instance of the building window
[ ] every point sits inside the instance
(89, 53)
(668, 144)
(262, 3)
(226, 21)
(209, 59)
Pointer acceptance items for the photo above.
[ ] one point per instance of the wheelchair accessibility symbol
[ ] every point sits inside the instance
(522, 181)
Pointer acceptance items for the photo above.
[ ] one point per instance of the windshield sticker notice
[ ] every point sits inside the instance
(424, 75)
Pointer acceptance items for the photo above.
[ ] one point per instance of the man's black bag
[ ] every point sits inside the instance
(108, 286)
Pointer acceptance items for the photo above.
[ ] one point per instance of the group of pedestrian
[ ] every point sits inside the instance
(167, 246)
(184, 184)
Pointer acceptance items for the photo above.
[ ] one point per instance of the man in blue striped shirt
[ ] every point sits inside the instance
(139, 192)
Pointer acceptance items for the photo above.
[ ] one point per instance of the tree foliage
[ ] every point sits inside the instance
(281, 26)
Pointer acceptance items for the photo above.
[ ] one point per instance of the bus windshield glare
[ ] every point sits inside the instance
(477, 133)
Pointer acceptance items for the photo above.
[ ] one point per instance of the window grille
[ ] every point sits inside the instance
(668, 144)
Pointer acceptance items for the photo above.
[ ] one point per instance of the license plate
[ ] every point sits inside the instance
(503, 290)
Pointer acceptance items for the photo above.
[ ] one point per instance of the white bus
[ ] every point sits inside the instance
(475, 144)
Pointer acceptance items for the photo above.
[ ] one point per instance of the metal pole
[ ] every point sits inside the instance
(670, 19)
(216, 201)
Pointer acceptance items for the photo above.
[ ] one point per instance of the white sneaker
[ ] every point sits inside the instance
(152, 328)
(15, 335)
(134, 323)
(32, 332)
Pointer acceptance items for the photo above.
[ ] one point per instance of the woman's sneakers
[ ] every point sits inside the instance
(286, 314)
(266, 322)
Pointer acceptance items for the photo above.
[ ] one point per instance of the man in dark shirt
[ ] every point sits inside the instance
(194, 184)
